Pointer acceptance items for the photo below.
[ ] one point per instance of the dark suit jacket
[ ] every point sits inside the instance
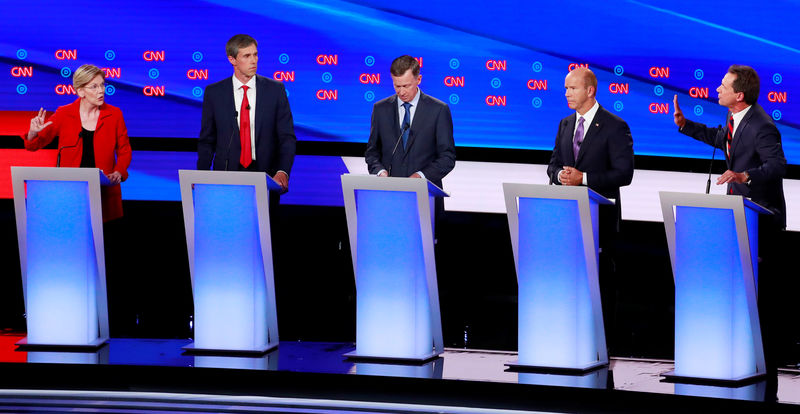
(430, 147)
(112, 149)
(219, 132)
(606, 154)
(756, 148)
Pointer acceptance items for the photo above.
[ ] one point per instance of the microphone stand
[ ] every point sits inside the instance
(400, 138)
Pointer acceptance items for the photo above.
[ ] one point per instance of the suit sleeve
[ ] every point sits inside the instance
(770, 152)
(620, 160)
(284, 124)
(45, 136)
(207, 142)
(123, 148)
(445, 159)
(556, 163)
(373, 154)
(711, 136)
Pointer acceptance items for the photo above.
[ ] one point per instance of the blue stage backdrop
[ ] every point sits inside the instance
(500, 65)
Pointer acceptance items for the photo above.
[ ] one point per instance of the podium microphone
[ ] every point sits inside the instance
(711, 166)
(58, 156)
(400, 138)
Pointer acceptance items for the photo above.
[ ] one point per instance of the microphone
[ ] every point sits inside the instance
(711, 166)
(58, 156)
(248, 107)
(400, 138)
(230, 139)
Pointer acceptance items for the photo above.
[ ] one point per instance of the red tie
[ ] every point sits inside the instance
(730, 138)
(244, 131)
(730, 135)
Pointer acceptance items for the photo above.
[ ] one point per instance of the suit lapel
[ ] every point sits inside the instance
(593, 129)
(420, 115)
(261, 95)
(567, 135)
(737, 135)
(104, 113)
(229, 102)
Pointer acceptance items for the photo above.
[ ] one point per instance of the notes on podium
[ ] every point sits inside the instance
(554, 235)
(226, 216)
(60, 234)
(390, 224)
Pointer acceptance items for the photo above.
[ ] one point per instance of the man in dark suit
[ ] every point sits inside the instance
(594, 148)
(411, 134)
(753, 152)
(755, 168)
(246, 123)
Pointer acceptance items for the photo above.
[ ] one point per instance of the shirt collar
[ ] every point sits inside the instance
(237, 84)
(588, 117)
(413, 102)
(737, 117)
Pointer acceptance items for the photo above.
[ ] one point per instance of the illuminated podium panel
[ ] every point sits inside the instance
(554, 236)
(226, 216)
(389, 221)
(60, 233)
(713, 247)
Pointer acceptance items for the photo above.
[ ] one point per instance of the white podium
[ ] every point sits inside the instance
(554, 235)
(389, 221)
(713, 248)
(60, 232)
(226, 216)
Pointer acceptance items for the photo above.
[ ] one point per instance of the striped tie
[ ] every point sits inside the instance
(730, 136)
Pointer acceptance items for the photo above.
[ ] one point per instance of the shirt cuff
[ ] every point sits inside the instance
(421, 174)
(585, 179)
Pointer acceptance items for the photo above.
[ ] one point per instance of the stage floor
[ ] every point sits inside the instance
(315, 377)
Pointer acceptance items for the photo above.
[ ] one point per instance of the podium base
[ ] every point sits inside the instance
(24, 345)
(192, 349)
(731, 382)
(419, 360)
(517, 367)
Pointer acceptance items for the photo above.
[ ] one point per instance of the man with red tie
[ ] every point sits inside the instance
(755, 169)
(247, 123)
(750, 141)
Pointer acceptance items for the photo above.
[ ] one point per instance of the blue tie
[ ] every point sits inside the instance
(406, 121)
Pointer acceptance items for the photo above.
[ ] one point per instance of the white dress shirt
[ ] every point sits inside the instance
(238, 95)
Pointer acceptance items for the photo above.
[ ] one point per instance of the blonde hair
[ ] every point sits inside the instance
(84, 74)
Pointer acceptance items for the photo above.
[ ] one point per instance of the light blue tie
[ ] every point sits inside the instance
(406, 121)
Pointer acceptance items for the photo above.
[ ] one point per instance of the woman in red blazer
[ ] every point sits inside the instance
(88, 120)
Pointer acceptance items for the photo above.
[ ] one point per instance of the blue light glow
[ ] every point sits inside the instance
(230, 304)
(393, 310)
(556, 323)
(62, 272)
(713, 334)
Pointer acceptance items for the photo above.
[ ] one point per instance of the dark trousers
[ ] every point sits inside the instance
(771, 283)
(609, 292)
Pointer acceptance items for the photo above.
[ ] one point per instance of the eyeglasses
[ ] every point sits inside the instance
(96, 87)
